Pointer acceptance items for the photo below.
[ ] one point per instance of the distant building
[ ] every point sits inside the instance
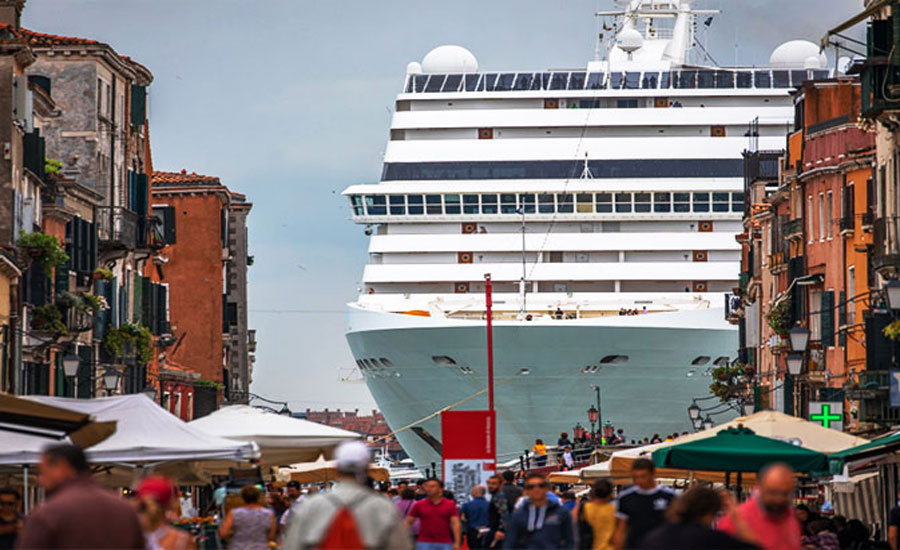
(373, 427)
(203, 260)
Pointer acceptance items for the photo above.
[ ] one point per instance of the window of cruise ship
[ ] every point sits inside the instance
(398, 205)
(452, 83)
(523, 81)
(744, 79)
(507, 203)
(632, 81)
(433, 204)
(737, 202)
(526, 201)
(650, 81)
(681, 202)
(627, 104)
(435, 83)
(558, 81)
(686, 79)
(763, 79)
(706, 79)
(589, 104)
(451, 204)
(604, 203)
(470, 204)
(724, 79)
(585, 203)
(781, 79)
(616, 80)
(623, 202)
(541, 81)
(470, 82)
(596, 81)
(576, 81)
(487, 82)
(662, 202)
(357, 202)
(665, 79)
(415, 203)
(642, 202)
(564, 203)
(701, 202)
(375, 205)
(488, 204)
(545, 203)
(721, 202)
(504, 82)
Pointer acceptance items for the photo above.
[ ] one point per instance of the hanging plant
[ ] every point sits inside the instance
(83, 302)
(45, 249)
(892, 331)
(52, 166)
(136, 337)
(103, 274)
(203, 383)
(94, 303)
(731, 381)
(48, 318)
(779, 317)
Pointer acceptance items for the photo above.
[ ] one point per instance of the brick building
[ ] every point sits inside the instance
(373, 427)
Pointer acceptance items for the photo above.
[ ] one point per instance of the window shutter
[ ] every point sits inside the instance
(826, 312)
(842, 318)
(138, 105)
(146, 303)
(162, 313)
(101, 320)
(169, 224)
(113, 302)
(85, 385)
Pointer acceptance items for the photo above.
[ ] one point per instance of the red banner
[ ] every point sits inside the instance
(467, 435)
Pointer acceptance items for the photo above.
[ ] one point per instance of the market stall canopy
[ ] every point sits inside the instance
(48, 422)
(738, 450)
(281, 439)
(878, 447)
(148, 434)
(322, 471)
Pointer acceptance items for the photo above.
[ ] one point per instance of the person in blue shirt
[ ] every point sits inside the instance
(475, 514)
(539, 523)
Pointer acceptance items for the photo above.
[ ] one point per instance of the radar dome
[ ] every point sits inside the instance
(629, 40)
(414, 67)
(796, 54)
(449, 59)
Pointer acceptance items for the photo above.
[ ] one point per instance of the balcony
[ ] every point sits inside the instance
(847, 224)
(794, 229)
(117, 228)
(868, 220)
(886, 241)
(734, 308)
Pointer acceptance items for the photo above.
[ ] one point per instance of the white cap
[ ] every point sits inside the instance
(352, 457)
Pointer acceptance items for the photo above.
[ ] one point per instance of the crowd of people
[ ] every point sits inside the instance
(510, 511)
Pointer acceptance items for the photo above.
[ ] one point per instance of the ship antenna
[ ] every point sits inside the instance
(598, 44)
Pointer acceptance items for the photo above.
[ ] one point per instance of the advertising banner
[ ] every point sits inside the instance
(468, 450)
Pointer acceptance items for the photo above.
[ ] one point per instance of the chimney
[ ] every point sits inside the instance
(11, 12)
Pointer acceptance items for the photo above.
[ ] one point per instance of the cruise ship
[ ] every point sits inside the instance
(602, 200)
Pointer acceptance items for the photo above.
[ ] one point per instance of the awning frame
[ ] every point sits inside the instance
(855, 20)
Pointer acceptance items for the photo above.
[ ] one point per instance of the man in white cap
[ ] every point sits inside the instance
(351, 515)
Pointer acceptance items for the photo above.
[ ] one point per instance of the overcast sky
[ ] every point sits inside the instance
(289, 102)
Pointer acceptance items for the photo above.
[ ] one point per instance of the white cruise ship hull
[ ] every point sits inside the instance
(543, 372)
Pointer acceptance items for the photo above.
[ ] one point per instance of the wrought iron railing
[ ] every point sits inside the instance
(117, 227)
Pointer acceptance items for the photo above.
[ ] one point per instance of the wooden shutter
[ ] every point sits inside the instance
(169, 224)
(827, 318)
(138, 105)
(842, 318)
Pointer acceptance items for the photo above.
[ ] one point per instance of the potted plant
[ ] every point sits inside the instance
(103, 274)
(130, 335)
(93, 303)
(779, 317)
(43, 248)
(731, 381)
(892, 331)
(48, 318)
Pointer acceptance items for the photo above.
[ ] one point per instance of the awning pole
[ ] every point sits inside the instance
(27, 499)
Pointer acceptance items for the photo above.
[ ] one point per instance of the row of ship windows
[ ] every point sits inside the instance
(545, 203)
(581, 80)
(372, 364)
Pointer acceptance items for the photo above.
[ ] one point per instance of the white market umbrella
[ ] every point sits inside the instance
(147, 434)
(322, 471)
(281, 439)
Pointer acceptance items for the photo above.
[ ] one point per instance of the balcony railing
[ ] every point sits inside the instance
(733, 307)
(117, 227)
(886, 241)
(794, 228)
(847, 223)
(868, 219)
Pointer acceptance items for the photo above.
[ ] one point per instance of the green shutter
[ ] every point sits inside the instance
(826, 313)
(138, 105)
(146, 303)
(842, 318)
(169, 224)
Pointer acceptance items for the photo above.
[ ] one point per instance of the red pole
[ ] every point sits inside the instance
(490, 363)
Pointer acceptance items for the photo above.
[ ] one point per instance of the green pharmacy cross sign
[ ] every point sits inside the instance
(829, 415)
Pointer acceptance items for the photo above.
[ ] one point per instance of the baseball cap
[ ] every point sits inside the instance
(158, 488)
(352, 457)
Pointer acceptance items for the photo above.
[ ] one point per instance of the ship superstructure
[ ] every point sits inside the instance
(603, 201)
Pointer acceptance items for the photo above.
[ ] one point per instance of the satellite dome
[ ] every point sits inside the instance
(414, 67)
(795, 55)
(629, 40)
(449, 59)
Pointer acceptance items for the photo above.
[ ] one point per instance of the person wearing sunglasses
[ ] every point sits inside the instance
(539, 523)
(10, 518)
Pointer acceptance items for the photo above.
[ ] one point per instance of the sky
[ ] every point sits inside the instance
(289, 101)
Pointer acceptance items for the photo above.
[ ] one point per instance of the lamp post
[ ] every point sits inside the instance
(71, 363)
(694, 413)
(892, 291)
(596, 389)
(708, 423)
(593, 415)
(578, 431)
(111, 380)
(799, 337)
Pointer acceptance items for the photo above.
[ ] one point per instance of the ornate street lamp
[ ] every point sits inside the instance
(892, 290)
(111, 379)
(799, 338)
(708, 423)
(70, 363)
(795, 363)
(694, 412)
(578, 431)
(593, 415)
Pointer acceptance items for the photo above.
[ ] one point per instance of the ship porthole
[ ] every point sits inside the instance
(721, 361)
(701, 360)
(524, 372)
(443, 360)
(614, 359)
(386, 362)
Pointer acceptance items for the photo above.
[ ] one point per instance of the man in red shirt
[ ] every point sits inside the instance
(438, 519)
(767, 519)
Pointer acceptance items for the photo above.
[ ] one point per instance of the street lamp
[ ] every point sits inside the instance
(70, 363)
(694, 412)
(111, 379)
(578, 431)
(708, 423)
(593, 415)
(800, 338)
(892, 289)
(795, 363)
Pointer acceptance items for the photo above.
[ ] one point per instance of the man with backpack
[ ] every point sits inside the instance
(349, 517)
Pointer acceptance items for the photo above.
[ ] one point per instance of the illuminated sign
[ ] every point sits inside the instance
(828, 414)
